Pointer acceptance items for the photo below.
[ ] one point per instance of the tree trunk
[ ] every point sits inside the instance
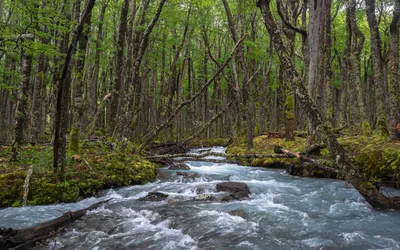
(22, 104)
(119, 59)
(381, 119)
(394, 66)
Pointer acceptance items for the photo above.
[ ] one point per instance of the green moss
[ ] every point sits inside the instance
(74, 141)
(289, 107)
(96, 168)
(366, 129)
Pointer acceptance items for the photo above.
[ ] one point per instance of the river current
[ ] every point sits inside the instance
(284, 212)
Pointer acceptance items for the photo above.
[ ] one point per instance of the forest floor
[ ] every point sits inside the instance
(98, 166)
(102, 165)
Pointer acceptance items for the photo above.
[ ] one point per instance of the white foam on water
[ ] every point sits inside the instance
(318, 243)
(227, 223)
(100, 210)
(352, 237)
(389, 241)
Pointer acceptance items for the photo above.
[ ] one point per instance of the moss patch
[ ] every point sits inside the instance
(377, 158)
(97, 167)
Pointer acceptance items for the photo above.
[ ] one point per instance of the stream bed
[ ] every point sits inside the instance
(283, 212)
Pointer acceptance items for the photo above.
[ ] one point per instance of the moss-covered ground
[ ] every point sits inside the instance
(97, 167)
(377, 158)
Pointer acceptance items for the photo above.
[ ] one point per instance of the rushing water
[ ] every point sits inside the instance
(284, 212)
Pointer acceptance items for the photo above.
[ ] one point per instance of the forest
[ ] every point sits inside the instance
(103, 94)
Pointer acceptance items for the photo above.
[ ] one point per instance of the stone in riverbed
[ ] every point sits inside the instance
(240, 212)
(154, 196)
(179, 166)
(187, 175)
(236, 190)
(204, 197)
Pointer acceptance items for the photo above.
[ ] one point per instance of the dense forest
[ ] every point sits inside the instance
(94, 94)
(146, 71)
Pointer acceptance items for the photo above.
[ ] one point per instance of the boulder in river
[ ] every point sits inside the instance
(236, 190)
(154, 196)
(240, 212)
(179, 166)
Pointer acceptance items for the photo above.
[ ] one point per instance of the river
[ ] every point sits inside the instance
(284, 212)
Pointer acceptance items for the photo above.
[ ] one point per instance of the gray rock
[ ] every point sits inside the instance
(240, 212)
(236, 190)
(154, 196)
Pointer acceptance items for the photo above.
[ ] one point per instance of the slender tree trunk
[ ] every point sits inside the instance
(94, 82)
(394, 66)
(119, 59)
(381, 120)
(21, 118)
(63, 94)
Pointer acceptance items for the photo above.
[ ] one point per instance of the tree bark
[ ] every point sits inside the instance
(394, 66)
(21, 117)
(381, 119)
(61, 117)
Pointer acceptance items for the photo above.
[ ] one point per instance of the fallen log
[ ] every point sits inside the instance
(200, 156)
(168, 148)
(27, 237)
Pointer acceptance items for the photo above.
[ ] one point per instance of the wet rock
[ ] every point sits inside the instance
(200, 190)
(154, 196)
(236, 190)
(240, 212)
(179, 166)
(187, 175)
(233, 187)
(205, 197)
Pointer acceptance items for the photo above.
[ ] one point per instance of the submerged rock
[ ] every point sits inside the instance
(187, 175)
(154, 196)
(236, 190)
(240, 212)
(179, 166)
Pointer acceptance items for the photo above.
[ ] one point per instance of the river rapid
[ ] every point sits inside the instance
(284, 212)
